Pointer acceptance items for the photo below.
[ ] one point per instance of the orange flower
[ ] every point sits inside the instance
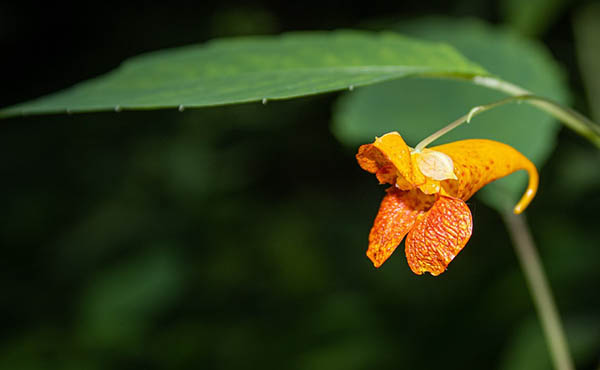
(427, 200)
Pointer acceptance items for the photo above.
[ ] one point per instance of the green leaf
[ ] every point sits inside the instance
(418, 107)
(255, 69)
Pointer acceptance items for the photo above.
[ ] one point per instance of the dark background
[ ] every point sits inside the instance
(234, 237)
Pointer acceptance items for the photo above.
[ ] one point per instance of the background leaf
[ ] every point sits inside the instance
(587, 29)
(528, 350)
(253, 69)
(418, 107)
(118, 303)
(531, 17)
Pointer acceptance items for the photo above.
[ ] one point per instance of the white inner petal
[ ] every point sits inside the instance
(436, 165)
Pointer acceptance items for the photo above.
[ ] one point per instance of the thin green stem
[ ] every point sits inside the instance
(540, 290)
(579, 123)
(466, 118)
(439, 133)
(569, 117)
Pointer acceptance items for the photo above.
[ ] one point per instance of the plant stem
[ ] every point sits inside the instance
(466, 118)
(569, 117)
(540, 290)
(579, 123)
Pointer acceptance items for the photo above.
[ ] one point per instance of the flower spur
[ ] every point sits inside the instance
(426, 202)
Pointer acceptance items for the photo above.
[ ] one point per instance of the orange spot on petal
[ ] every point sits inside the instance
(438, 236)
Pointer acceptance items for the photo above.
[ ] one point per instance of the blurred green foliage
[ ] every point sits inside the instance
(586, 28)
(234, 237)
(532, 17)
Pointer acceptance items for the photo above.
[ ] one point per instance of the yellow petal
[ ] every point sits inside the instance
(390, 160)
(478, 162)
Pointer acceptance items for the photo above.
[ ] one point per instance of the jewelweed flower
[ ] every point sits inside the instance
(426, 202)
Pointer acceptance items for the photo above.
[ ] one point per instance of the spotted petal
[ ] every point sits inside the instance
(397, 215)
(438, 236)
(477, 162)
(390, 160)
